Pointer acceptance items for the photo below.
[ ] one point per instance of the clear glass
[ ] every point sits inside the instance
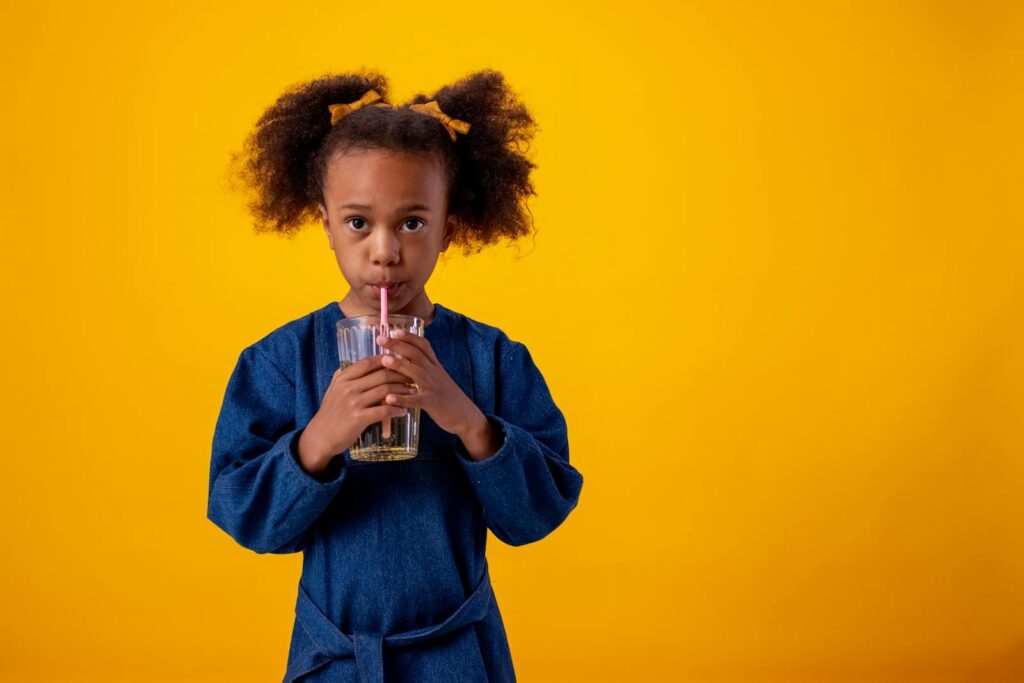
(357, 339)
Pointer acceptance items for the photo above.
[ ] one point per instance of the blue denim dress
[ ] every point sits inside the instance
(394, 583)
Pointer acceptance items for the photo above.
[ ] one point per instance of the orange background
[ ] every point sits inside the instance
(776, 290)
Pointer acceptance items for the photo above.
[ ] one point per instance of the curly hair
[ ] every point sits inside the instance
(283, 163)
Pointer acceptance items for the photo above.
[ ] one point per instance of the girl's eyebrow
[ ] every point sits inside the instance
(410, 207)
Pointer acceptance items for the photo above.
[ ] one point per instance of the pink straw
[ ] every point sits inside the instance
(386, 424)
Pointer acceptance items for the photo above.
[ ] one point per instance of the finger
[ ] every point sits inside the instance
(381, 413)
(404, 400)
(378, 395)
(421, 342)
(360, 368)
(407, 367)
(380, 377)
(405, 348)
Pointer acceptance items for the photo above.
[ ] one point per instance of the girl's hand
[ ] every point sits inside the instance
(354, 400)
(436, 391)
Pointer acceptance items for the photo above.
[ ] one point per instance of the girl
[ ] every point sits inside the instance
(394, 578)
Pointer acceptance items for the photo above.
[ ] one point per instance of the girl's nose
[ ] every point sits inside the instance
(385, 247)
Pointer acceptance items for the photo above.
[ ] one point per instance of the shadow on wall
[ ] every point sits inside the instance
(1007, 668)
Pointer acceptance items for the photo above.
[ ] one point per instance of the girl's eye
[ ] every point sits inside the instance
(414, 224)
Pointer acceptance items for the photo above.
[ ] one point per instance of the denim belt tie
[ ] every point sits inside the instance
(328, 642)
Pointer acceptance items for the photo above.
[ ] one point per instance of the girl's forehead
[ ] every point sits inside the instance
(384, 174)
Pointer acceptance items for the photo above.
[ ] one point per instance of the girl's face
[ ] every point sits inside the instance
(387, 221)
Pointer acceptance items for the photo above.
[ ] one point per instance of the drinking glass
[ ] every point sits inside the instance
(357, 339)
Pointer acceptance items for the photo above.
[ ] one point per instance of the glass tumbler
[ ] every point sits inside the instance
(357, 339)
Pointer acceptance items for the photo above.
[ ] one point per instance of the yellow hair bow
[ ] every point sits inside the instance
(338, 111)
(431, 108)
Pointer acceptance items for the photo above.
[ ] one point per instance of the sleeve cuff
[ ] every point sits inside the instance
(331, 476)
(505, 433)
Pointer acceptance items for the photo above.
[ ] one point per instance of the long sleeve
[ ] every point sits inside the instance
(527, 487)
(259, 493)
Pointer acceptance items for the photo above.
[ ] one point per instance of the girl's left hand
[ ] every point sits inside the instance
(436, 391)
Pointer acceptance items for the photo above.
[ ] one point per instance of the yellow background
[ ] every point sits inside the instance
(776, 290)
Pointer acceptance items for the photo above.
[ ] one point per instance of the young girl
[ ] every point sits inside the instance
(394, 581)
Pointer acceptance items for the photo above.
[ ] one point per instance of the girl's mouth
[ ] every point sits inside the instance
(392, 288)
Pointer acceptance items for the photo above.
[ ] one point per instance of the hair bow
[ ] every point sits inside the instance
(431, 108)
(338, 111)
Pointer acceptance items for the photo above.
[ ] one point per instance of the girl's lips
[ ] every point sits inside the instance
(391, 289)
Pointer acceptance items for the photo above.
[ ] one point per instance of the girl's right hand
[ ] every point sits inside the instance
(354, 400)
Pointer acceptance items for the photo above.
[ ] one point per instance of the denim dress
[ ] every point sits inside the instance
(394, 583)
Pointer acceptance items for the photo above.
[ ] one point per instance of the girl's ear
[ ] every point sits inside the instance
(449, 232)
(323, 218)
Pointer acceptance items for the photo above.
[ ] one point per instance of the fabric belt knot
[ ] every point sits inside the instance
(369, 652)
(328, 642)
